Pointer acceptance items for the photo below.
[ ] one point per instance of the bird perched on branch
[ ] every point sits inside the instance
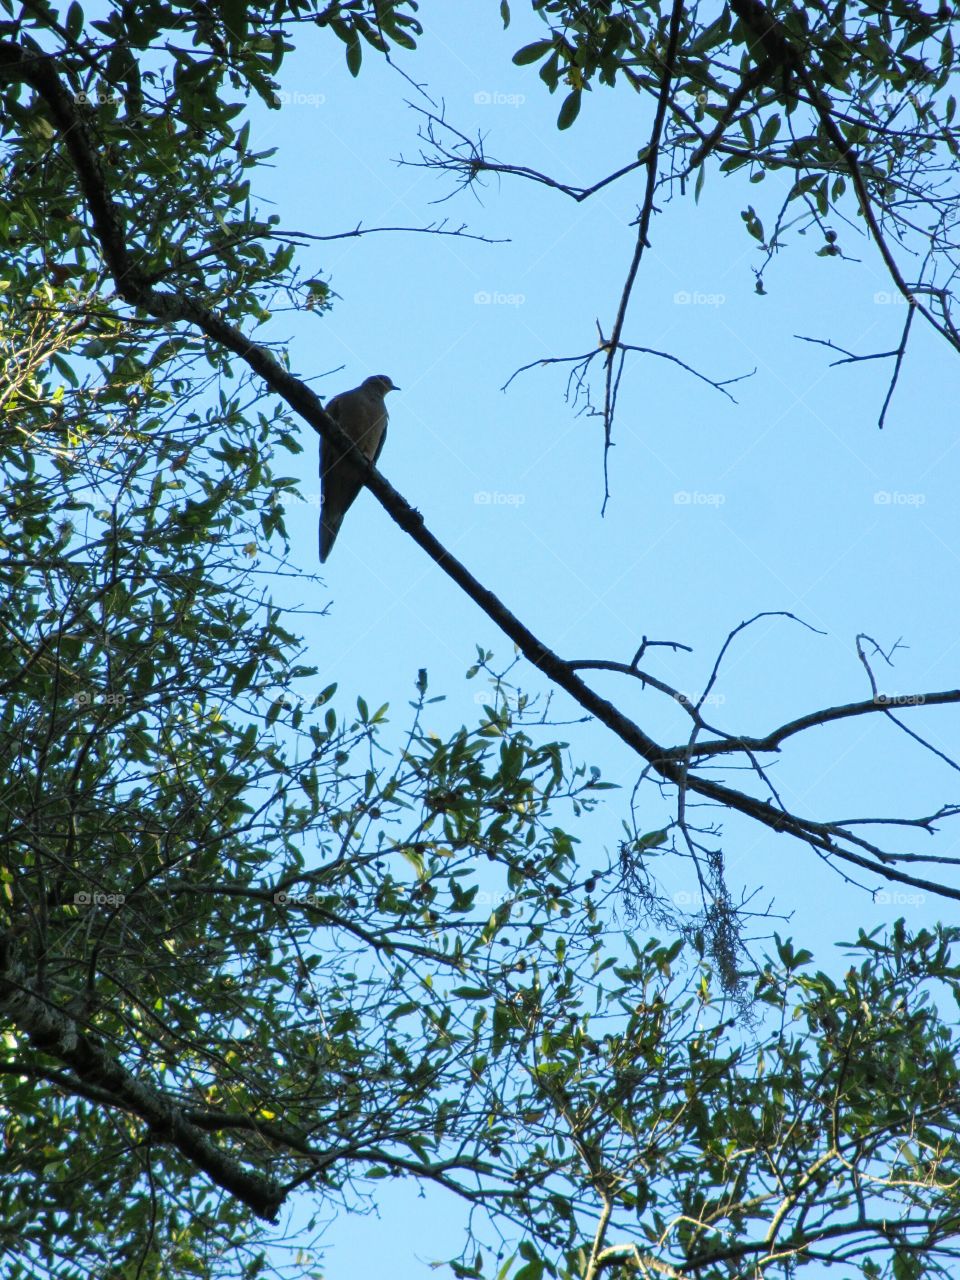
(362, 415)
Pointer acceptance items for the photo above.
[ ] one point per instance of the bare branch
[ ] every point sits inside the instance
(848, 356)
(901, 351)
(652, 157)
(432, 229)
(467, 158)
(584, 360)
(816, 719)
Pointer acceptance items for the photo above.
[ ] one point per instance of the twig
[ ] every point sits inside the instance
(651, 157)
(848, 356)
(720, 384)
(434, 229)
(474, 161)
(901, 350)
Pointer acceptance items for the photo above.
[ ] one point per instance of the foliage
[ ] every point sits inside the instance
(836, 100)
(249, 946)
(210, 902)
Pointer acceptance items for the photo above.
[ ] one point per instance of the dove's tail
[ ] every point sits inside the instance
(329, 528)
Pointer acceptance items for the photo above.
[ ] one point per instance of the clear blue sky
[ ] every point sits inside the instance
(797, 501)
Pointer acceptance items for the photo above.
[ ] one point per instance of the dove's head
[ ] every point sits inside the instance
(379, 384)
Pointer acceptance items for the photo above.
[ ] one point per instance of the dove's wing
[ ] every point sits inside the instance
(364, 419)
(383, 438)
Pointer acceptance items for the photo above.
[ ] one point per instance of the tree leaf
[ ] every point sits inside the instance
(569, 110)
(354, 55)
(532, 52)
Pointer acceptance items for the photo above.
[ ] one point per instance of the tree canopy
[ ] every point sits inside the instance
(255, 947)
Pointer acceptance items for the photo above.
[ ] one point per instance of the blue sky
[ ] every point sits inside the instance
(790, 499)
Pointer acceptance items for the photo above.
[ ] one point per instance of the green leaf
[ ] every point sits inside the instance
(502, 1020)
(235, 20)
(732, 163)
(769, 131)
(570, 109)
(532, 52)
(906, 1266)
(244, 675)
(652, 840)
(713, 35)
(354, 55)
(74, 20)
(532, 1271)
(753, 223)
(64, 367)
(504, 1270)
(549, 73)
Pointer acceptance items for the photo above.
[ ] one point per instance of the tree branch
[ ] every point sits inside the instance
(102, 1077)
(652, 158)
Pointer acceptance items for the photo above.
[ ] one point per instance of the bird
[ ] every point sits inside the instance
(362, 415)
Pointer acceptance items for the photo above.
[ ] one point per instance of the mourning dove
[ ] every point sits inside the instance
(362, 415)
